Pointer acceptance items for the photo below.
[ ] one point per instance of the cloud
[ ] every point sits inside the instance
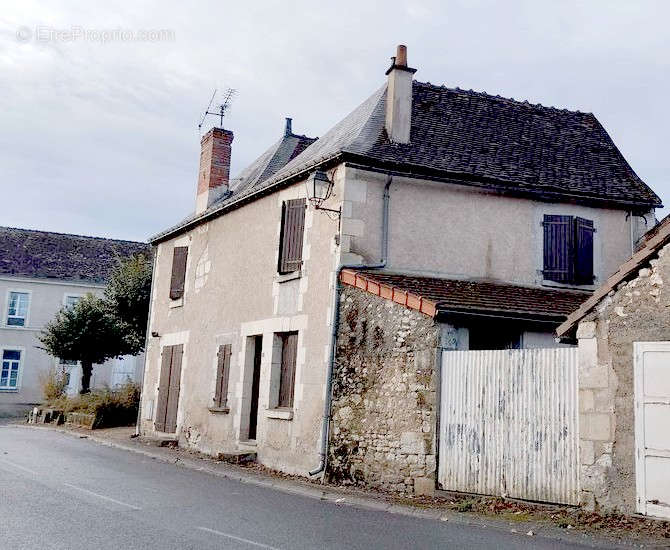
(100, 137)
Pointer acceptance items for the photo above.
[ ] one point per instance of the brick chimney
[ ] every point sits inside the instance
(399, 97)
(214, 167)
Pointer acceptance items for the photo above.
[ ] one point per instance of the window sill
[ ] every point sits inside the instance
(177, 303)
(219, 410)
(564, 286)
(282, 278)
(280, 414)
(9, 390)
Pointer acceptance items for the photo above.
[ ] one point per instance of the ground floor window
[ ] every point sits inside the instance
(9, 373)
(289, 350)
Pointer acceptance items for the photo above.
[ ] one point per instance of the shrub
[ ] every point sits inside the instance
(53, 383)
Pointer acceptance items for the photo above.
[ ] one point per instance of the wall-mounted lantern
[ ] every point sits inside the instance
(319, 190)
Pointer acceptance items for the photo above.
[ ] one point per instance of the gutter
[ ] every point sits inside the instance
(328, 401)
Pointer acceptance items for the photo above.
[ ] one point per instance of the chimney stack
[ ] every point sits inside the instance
(399, 97)
(288, 129)
(214, 172)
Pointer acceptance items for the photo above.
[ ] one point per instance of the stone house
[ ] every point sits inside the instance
(623, 331)
(40, 273)
(489, 220)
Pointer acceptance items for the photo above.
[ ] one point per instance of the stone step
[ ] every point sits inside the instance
(237, 457)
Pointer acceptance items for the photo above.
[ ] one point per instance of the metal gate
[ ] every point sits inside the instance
(509, 423)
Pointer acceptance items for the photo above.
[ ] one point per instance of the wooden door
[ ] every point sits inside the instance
(652, 437)
(168, 389)
(255, 387)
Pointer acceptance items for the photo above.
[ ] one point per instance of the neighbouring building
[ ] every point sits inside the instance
(40, 273)
(623, 332)
(430, 221)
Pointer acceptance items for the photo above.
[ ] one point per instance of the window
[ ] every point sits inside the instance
(568, 249)
(289, 349)
(222, 375)
(71, 300)
(179, 258)
(9, 373)
(17, 310)
(290, 241)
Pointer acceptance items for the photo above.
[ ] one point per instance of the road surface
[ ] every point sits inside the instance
(62, 492)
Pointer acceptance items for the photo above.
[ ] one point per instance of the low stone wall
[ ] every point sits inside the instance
(384, 396)
(636, 311)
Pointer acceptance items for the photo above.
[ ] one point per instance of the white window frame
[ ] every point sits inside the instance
(26, 319)
(71, 295)
(19, 376)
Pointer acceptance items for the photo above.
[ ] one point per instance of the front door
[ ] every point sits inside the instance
(652, 437)
(168, 390)
(255, 387)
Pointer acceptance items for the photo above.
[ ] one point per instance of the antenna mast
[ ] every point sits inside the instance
(223, 107)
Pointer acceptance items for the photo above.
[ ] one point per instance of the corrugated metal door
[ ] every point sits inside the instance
(652, 436)
(509, 423)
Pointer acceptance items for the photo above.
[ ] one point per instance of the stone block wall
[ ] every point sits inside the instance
(384, 396)
(636, 311)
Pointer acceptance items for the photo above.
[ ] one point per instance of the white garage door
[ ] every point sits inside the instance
(652, 436)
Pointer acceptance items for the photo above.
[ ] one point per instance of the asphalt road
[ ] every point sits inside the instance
(61, 492)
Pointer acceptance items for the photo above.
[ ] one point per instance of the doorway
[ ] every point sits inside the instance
(255, 385)
(168, 389)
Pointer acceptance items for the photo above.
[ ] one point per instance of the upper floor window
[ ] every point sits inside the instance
(179, 257)
(17, 309)
(290, 241)
(9, 369)
(568, 250)
(71, 300)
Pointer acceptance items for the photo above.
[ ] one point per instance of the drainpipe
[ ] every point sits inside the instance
(146, 340)
(325, 427)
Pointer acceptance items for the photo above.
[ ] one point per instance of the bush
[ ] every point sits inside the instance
(53, 383)
(110, 407)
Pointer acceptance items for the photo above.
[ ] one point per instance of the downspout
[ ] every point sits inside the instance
(325, 427)
(146, 341)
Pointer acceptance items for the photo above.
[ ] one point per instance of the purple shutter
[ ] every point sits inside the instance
(179, 256)
(584, 251)
(292, 230)
(558, 248)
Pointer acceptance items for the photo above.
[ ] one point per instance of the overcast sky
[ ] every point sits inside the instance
(98, 135)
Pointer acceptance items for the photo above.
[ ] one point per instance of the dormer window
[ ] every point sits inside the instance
(568, 250)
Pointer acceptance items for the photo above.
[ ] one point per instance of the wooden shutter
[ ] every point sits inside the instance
(558, 248)
(288, 358)
(163, 388)
(292, 229)
(584, 251)
(222, 375)
(173, 396)
(179, 257)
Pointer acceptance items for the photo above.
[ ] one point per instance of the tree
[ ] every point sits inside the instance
(127, 294)
(89, 333)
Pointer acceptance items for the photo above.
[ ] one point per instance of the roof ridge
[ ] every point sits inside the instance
(3, 227)
(525, 102)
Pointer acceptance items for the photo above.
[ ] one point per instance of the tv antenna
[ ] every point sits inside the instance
(223, 107)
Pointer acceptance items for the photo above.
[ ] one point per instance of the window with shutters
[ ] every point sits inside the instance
(290, 240)
(568, 250)
(222, 376)
(289, 350)
(179, 257)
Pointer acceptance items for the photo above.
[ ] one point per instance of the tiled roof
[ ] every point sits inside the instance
(467, 137)
(47, 255)
(651, 243)
(433, 295)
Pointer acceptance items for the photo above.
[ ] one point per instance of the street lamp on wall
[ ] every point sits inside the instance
(319, 190)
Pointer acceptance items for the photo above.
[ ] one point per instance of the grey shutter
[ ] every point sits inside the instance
(173, 395)
(163, 388)
(292, 230)
(288, 358)
(558, 248)
(584, 251)
(179, 257)
(222, 375)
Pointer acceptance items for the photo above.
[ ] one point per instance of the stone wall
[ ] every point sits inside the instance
(384, 396)
(636, 311)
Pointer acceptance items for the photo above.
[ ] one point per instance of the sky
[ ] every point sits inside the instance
(100, 101)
